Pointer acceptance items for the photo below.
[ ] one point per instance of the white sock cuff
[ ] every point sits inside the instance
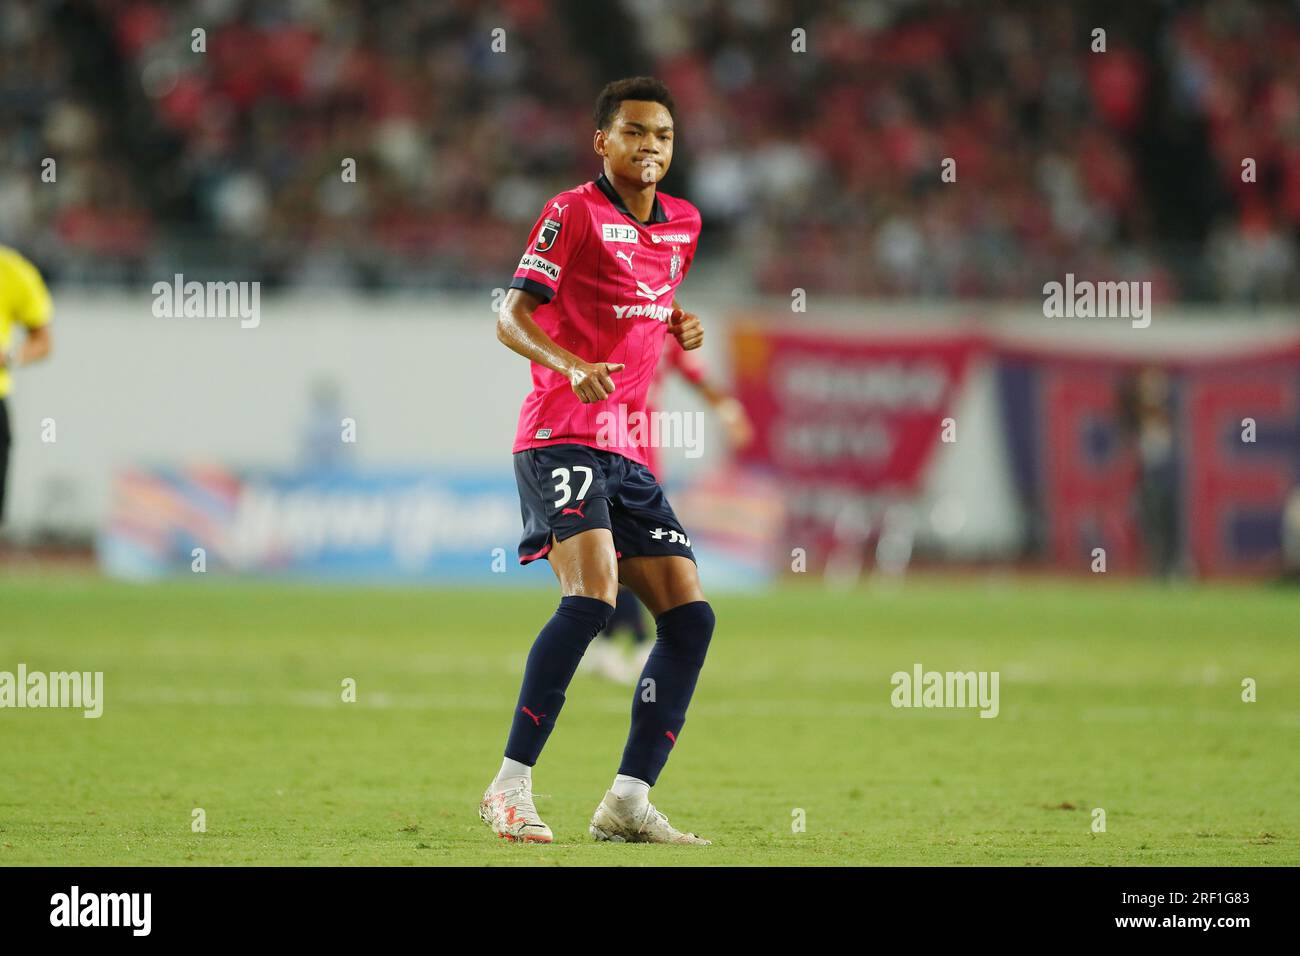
(625, 786)
(513, 768)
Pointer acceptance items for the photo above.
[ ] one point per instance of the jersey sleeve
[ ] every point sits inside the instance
(31, 301)
(552, 246)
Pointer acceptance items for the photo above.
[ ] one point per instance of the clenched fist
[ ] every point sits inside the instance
(686, 327)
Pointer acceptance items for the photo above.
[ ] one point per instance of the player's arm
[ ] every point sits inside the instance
(729, 409)
(32, 311)
(686, 327)
(35, 347)
(519, 332)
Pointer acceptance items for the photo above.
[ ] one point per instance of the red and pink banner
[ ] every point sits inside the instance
(847, 423)
(865, 413)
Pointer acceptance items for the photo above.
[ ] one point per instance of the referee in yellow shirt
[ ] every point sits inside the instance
(24, 301)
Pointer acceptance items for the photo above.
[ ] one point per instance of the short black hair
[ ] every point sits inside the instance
(645, 88)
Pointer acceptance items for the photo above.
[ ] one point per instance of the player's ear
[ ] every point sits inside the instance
(598, 142)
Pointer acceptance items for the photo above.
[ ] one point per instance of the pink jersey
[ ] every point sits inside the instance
(608, 282)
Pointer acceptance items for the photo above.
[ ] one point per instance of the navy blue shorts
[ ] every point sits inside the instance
(565, 489)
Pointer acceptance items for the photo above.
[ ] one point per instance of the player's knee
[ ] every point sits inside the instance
(686, 630)
(591, 581)
(606, 591)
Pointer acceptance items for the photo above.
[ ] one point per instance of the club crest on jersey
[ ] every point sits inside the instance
(546, 237)
(674, 265)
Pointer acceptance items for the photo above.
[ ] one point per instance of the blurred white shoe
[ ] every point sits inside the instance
(604, 659)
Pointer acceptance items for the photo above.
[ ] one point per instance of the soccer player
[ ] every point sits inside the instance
(591, 304)
(24, 301)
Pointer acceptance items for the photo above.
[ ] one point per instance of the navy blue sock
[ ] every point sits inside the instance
(551, 663)
(659, 709)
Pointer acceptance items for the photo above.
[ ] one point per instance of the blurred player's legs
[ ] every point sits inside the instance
(627, 617)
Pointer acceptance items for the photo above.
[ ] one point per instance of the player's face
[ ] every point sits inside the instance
(639, 141)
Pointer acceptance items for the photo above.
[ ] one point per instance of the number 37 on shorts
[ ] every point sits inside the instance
(566, 489)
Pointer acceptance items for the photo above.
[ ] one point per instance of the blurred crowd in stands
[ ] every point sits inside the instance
(1173, 156)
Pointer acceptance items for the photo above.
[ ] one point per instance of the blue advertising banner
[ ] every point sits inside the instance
(392, 526)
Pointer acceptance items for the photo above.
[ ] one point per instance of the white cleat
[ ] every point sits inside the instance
(511, 814)
(635, 820)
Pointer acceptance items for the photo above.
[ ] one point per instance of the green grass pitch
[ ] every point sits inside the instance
(226, 696)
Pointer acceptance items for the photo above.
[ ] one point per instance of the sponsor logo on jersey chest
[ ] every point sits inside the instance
(659, 313)
(613, 232)
(645, 292)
